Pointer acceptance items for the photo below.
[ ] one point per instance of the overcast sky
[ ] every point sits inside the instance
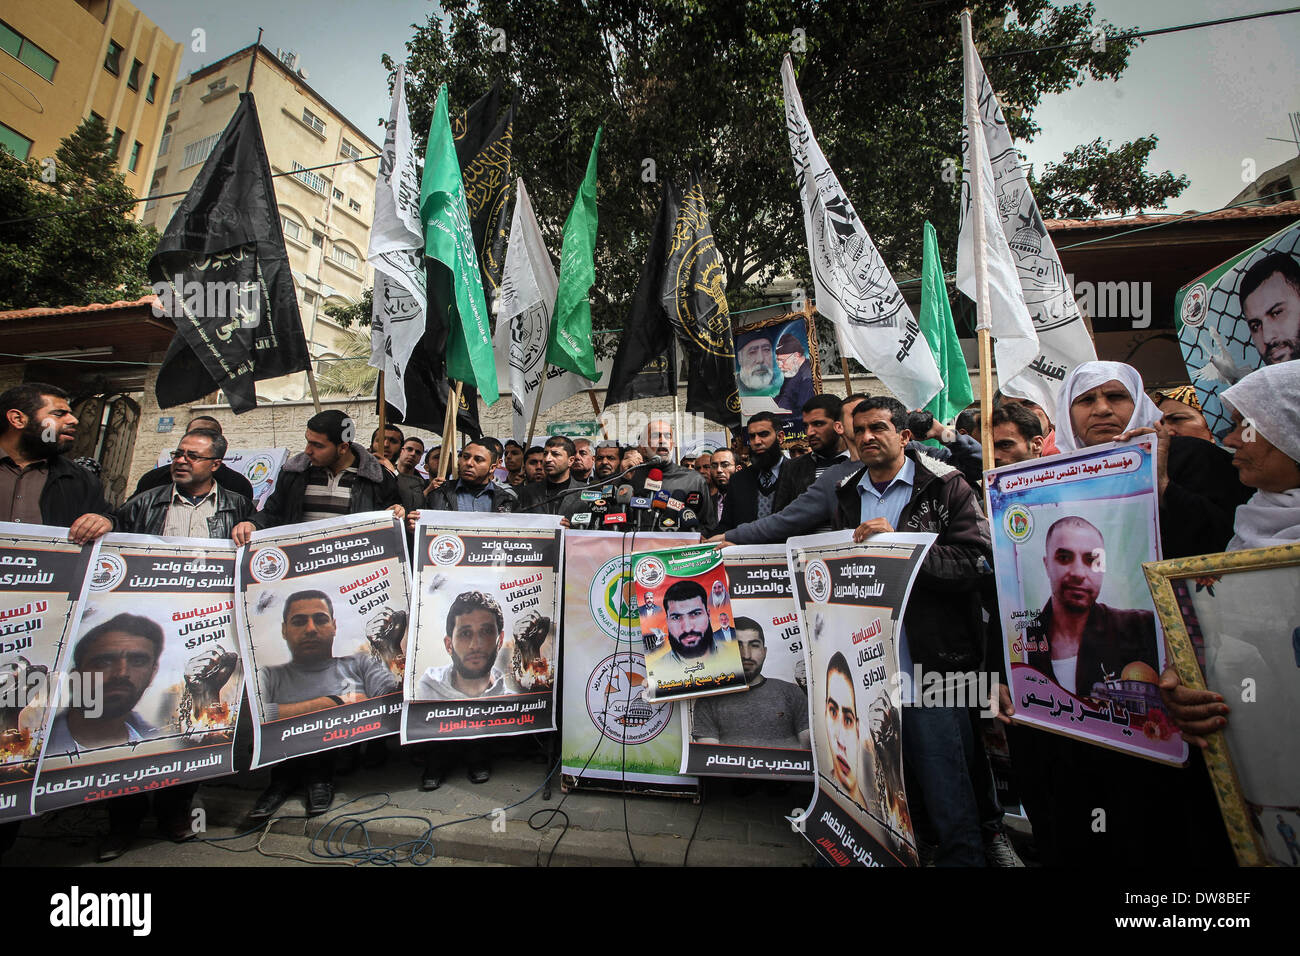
(1213, 96)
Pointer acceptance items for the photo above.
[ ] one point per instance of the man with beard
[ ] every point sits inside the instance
(722, 468)
(822, 420)
(660, 441)
(225, 476)
(38, 485)
(772, 713)
(475, 633)
(690, 632)
(758, 377)
(1270, 304)
(608, 456)
(797, 389)
(753, 489)
(553, 495)
(473, 489)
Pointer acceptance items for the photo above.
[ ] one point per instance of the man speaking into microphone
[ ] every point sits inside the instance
(677, 484)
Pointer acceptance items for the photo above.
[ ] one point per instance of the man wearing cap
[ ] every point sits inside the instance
(797, 388)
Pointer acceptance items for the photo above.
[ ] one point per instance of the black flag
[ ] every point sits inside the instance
(483, 150)
(680, 300)
(229, 287)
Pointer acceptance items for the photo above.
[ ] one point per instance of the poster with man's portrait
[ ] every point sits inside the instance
(764, 731)
(322, 612)
(156, 664)
(261, 466)
(851, 599)
(1233, 622)
(777, 370)
(687, 624)
(1240, 316)
(484, 651)
(1083, 647)
(43, 579)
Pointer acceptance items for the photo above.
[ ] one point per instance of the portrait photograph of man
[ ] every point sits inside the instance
(474, 636)
(700, 655)
(776, 371)
(771, 713)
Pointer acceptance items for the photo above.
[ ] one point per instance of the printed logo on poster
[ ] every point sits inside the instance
(446, 550)
(1019, 523)
(269, 564)
(612, 600)
(257, 469)
(1194, 305)
(650, 573)
(616, 701)
(818, 579)
(109, 571)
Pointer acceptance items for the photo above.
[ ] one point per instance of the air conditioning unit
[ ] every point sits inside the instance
(287, 57)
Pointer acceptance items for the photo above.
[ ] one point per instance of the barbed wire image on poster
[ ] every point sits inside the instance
(764, 731)
(609, 730)
(1083, 647)
(684, 609)
(483, 654)
(158, 636)
(43, 579)
(1240, 316)
(851, 599)
(322, 611)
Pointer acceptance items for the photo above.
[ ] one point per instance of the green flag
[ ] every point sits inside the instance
(939, 331)
(570, 345)
(449, 239)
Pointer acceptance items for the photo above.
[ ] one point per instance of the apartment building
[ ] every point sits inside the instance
(64, 60)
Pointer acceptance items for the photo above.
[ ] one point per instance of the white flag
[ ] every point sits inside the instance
(528, 290)
(854, 288)
(1038, 333)
(397, 254)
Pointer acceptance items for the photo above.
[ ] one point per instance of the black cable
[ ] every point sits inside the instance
(698, 817)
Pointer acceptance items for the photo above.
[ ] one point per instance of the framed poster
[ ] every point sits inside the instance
(777, 370)
(1232, 623)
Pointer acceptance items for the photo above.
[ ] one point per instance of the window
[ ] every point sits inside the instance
(155, 188)
(314, 121)
(338, 194)
(217, 85)
(26, 52)
(348, 151)
(153, 88)
(308, 178)
(112, 62)
(166, 140)
(133, 78)
(308, 296)
(176, 95)
(292, 230)
(116, 144)
(354, 205)
(15, 142)
(343, 257)
(135, 158)
(196, 153)
(318, 240)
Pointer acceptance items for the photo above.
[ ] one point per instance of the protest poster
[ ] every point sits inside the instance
(764, 731)
(684, 611)
(1233, 625)
(777, 370)
(322, 609)
(158, 637)
(261, 466)
(609, 730)
(851, 599)
(1240, 316)
(44, 578)
(485, 640)
(1070, 535)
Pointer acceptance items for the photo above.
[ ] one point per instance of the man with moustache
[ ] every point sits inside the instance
(584, 460)
(1270, 304)
(690, 632)
(771, 713)
(822, 421)
(225, 476)
(607, 458)
(194, 505)
(753, 489)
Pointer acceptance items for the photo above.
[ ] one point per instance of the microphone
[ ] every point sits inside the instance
(654, 480)
(576, 487)
(622, 496)
(640, 505)
(690, 521)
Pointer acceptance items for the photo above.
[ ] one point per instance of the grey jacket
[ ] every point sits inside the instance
(816, 506)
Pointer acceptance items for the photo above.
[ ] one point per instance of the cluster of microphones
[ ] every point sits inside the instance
(621, 508)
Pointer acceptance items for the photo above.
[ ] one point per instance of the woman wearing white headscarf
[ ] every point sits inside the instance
(1266, 411)
(1199, 489)
(1062, 780)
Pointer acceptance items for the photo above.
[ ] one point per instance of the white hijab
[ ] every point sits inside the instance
(1270, 398)
(1088, 376)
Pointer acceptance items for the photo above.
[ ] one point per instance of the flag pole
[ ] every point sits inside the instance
(383, 408)
(975, 132)
(537, 406)
(455, 412)
(839, 343)
(595, 408)
(311, 382)
(448, 426)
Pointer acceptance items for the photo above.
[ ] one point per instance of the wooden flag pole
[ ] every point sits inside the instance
(983, 319)
(537, 406)
(595, 407)
(455, 412)
(311, 383)
(448, 423)
(383, 409)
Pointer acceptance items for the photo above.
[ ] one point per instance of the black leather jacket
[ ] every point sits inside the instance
(146, 513)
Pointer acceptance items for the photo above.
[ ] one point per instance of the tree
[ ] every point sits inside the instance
(356, 314)
(1094, 179)
(695, 83)
(77, 240)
